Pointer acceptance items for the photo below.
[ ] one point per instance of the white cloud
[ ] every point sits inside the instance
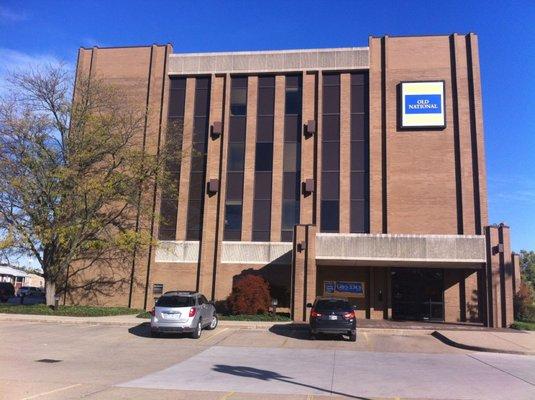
(9, 15)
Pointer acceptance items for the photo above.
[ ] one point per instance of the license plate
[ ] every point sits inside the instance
(171, 316)
(333, 317)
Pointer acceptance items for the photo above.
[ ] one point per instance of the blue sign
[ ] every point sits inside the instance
(350, 287)
(343, 288)
(329, 287)
(423, 104)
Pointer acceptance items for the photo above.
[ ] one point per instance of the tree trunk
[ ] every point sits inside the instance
(50, 288)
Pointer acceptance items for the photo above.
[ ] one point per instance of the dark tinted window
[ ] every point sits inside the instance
(291, 191)
(175, 301)
(173, 148)
(198, 162)
(330, 215)
(238, 96)
(236, 155)
(264, 157)
(293, 100)
(359, 186)
(233, 217)
(332, 305)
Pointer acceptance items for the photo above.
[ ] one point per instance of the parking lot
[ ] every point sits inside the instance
(68, 361)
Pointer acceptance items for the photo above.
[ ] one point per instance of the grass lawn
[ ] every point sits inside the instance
(280, 317)
(69, 311)
(524, 326)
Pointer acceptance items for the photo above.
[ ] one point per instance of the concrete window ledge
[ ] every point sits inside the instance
(177, 251)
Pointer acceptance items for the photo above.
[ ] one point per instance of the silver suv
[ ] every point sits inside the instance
(178, 312)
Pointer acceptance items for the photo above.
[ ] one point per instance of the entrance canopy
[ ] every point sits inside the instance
(434, 251)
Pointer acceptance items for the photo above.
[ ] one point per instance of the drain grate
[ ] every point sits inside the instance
(48, 360)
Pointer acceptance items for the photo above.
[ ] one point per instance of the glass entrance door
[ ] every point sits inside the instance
(418, 294)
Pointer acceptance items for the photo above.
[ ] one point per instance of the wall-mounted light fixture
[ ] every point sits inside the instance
(217, 129)
(310, 128)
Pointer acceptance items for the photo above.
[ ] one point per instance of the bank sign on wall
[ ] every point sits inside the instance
(422, 105)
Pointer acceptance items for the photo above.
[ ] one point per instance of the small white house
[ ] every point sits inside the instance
(13, 275)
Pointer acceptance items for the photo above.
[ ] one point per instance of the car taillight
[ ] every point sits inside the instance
(151, 312)
(315, 314)
(192, 312)
(349, 315)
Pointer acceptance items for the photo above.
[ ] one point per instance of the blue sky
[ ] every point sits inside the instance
(41, 31)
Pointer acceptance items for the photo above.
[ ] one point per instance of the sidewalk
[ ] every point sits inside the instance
(512, 342)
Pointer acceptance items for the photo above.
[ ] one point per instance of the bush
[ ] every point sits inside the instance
(523, 303)
(250, 295)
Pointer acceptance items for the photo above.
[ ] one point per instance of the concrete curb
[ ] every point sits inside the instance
(132, 320)
(446, 340)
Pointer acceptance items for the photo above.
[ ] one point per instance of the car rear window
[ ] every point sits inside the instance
(332, 305)
(175, 301)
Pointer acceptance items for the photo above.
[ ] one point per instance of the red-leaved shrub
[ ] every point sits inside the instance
(250, 295)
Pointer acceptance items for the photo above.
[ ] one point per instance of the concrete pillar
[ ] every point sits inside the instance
(250, 153)
(308, 148)
(377, 292)
(494, 311)
(211, 200)
(506, 276)
(303, 271)
(515, 259)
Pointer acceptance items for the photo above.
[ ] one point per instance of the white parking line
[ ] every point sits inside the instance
(51, 391)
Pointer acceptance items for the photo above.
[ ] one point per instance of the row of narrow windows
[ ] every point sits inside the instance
(329, 195)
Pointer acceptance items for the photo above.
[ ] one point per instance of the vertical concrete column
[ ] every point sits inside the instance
(464, 133)
(515, 259)
(452, 297)
(479, 154)
(156, 121)
(219, 291)
(388, 293)
(250, 153)
(308, 159)
(310, 267)
(298, 305)
(471, 296)
(494, 310)
(345, 151)
(377, 292)
(506, 275)
(376, 101)
(211, 199)
(185, 167)
(319, 149)
(278, 152)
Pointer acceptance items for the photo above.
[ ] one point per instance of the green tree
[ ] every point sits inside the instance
(76, 181)
(527, 266)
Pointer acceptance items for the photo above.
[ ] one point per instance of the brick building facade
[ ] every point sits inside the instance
(303, 171)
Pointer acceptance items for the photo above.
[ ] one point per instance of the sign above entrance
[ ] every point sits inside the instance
(343, 288)
(422, 105)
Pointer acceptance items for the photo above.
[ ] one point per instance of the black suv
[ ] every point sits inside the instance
(333, 315)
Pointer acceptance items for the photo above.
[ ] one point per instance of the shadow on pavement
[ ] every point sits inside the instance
(143, 330)
(299, 331)
(265, 375)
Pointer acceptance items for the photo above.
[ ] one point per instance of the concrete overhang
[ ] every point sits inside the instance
(441, 251)
(333, 59)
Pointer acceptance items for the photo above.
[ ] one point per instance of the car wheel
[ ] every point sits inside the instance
(353, 336)
(198, 330)
(154, 334)
(312, 336)
(213, 323)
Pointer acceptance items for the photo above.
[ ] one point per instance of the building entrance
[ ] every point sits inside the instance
(418, 294)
